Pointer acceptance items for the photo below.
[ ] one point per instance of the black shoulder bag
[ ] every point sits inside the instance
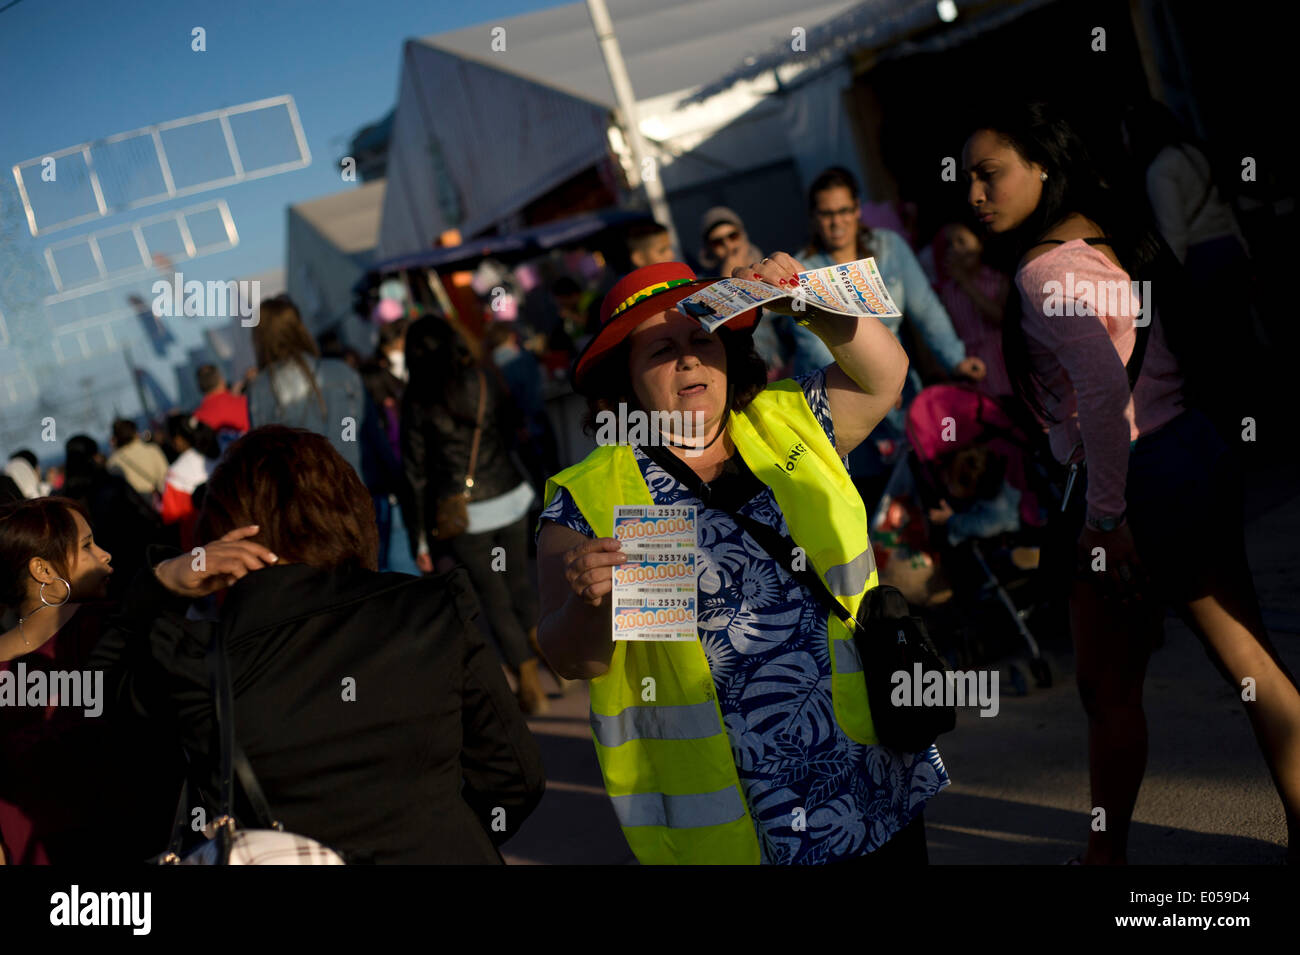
(233, 845)
(888, 638)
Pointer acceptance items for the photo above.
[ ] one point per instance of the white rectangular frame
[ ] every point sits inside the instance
(109, 279)
(170, 192)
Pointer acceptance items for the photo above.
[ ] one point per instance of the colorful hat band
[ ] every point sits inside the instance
(646, 293)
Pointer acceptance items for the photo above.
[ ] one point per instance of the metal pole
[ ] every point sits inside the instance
(618, 77)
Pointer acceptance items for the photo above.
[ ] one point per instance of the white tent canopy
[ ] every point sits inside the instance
(472, 144)
(481, 131)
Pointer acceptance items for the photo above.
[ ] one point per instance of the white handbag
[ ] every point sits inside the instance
(265, 847)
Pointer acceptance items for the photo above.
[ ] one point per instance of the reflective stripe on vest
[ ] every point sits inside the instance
(849, 580)
(847, 659)
(692, 721)
(680, 812)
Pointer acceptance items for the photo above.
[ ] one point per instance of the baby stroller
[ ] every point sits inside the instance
(988, 578)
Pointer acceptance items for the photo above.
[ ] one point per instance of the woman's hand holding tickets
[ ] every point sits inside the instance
(589, 568)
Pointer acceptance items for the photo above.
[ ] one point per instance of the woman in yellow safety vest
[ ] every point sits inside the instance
(753, 743)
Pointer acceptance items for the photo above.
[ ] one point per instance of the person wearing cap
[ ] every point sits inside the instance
(753, 743)
(724, 243)
(724, 247)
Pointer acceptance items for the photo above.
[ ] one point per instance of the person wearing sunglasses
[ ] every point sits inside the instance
(724, 247)
(724, 242)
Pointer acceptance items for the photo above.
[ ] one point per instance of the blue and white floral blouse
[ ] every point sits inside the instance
(764, 636)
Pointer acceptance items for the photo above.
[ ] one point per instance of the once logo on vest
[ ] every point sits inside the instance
(793, 455)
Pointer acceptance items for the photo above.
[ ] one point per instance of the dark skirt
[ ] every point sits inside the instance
(1184, 500)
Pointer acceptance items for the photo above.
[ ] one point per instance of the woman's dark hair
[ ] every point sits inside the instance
(497, 334)
(280, 336)
(196, 434)
(392, 331)
(438, 356)
(565, 285)
(9, 491)
(608, 384)
(124, 432)
(1074, 184)
(836, 177)
(42, 527)
(79, 453)
(81, 468)
(308, 502)
(1152, 126)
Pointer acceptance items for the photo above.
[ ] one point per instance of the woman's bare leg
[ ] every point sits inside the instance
(1112, 645)
(1230, 626)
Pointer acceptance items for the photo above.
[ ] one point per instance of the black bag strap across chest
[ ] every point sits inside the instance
(778, 546)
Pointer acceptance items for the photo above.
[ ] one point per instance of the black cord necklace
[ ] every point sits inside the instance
(664, 439)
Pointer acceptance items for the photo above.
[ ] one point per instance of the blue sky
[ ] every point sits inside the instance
(79, 70)
(74, 71)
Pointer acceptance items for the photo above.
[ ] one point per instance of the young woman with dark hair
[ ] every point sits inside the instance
(373, 715)
(1154, 464)
(47, 553)
(449, 378)
(78, 783)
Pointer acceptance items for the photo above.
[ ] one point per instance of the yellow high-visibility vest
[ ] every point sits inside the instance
(655, 718)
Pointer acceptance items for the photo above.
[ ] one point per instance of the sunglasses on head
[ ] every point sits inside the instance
(731, 236)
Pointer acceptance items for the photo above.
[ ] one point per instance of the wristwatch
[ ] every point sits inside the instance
(1105, 524)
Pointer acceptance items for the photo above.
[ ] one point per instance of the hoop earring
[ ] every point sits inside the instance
(66, 595)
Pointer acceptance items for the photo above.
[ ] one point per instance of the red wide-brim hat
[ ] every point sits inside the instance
(639, 296)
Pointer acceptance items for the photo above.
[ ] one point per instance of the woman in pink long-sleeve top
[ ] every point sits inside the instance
(1163, 493)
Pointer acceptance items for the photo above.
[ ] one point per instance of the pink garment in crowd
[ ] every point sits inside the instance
(1081, 358)
(982, 338)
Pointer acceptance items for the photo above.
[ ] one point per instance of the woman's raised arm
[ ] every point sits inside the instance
(870, 365)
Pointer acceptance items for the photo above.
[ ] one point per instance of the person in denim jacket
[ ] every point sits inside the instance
(838, 237)
(298, 388)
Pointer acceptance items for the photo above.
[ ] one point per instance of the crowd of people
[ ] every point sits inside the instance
(349, 522)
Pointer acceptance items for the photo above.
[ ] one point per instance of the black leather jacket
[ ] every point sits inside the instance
(436, 444)
(412, 771)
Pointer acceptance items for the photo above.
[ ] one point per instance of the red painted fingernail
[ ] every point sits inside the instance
(757, 276)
